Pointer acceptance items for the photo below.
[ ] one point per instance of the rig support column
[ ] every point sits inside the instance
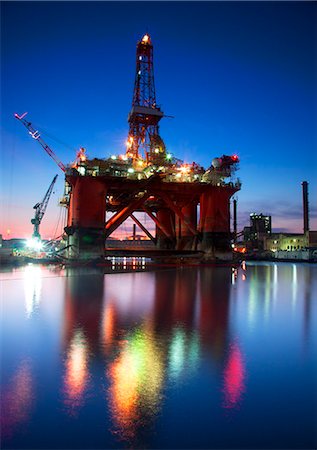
(86, 218)
(166, 218)
(184, 236)
(214, 222)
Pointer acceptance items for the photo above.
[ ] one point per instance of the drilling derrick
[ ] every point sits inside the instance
(144, 140)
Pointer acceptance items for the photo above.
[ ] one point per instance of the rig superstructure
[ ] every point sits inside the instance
(149, 179)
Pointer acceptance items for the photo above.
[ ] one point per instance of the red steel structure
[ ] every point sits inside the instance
(153, 182)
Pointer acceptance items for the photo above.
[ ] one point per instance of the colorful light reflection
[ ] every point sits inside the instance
(77, 375)
(234, 378)
(136, 378)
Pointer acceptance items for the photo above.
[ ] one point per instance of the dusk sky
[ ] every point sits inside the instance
(238, 77)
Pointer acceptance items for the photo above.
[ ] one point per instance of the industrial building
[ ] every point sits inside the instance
(258, 237)
(255, 234)
(290, 241)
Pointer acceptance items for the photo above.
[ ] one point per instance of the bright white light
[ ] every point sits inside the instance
(130, 170)
(113, 157)
(34, 244)
(184, 169)
(32, 288)
(168, 156)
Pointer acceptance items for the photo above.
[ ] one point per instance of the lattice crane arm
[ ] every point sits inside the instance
(36, 135)
(40, 209)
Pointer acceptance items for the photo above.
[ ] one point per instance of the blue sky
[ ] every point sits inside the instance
(238, 77)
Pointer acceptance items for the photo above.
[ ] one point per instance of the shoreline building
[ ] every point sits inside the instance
(301, 246)
(254, 235)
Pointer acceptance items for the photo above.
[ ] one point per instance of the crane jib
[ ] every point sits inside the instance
(36, 135)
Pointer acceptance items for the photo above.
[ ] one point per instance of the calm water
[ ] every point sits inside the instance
(170, 358)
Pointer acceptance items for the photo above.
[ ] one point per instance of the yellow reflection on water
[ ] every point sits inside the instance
(136, 377)
(76, 375)
(32, 288)
(267, 293)
(275, 282)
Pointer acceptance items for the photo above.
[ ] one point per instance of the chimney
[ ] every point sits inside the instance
(305, 206)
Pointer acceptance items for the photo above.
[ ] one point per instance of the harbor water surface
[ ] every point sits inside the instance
(197, 357)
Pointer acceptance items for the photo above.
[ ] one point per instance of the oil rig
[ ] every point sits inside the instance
(146, 178)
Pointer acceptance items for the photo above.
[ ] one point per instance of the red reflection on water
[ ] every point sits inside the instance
(16, 400)
(234, 378)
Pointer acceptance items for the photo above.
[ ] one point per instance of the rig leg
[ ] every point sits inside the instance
(215, 222)
(86, 219)
(166, 217)
(184, 236)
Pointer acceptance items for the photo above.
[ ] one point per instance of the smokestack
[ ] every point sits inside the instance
(134, 231)
(234, 220)
(305, 206)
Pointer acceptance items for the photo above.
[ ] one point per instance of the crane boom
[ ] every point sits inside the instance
(36, 135)
(40, 209)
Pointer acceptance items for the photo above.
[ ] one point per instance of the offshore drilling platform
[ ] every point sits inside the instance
(149, 179)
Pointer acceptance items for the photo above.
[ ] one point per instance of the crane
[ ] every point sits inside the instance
(40, 209)
(36, 135)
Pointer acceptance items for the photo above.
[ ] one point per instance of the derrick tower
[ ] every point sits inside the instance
(144, 140)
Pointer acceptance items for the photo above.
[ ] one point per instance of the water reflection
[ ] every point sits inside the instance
(152, 330)
(213, 322)
(17, 399)
(136, 378)
(152, 351)
(308, 303)
(294, 285)
(189, 316)
(76, 373)
(32, 288)
(234, 378)
(83, 307)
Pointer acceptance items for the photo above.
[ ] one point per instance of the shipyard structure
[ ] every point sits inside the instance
(189, 205)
